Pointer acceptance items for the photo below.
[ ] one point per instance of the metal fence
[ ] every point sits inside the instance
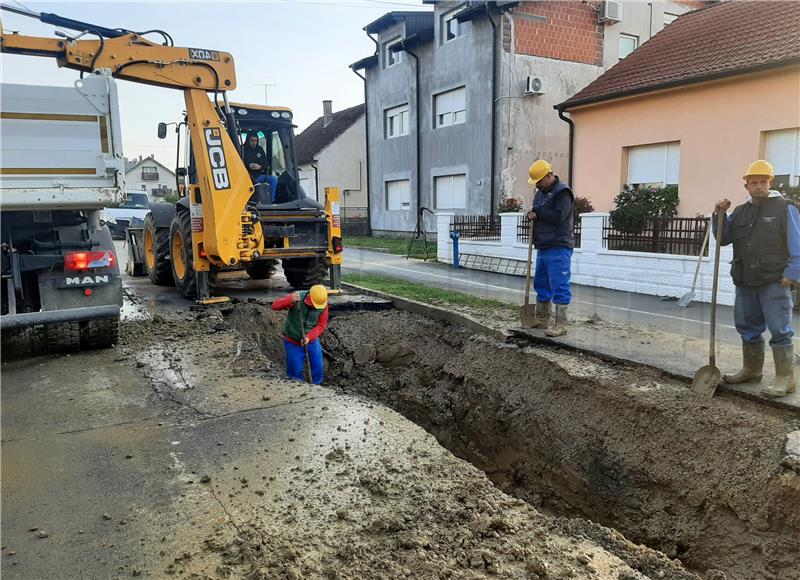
(524, 228)
(355, 221)
(476, 227)
(676, 236)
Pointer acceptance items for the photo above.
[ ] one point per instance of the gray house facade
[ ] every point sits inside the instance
(460, 100)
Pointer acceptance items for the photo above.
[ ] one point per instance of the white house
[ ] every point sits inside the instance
(147, 174)
(331, 152)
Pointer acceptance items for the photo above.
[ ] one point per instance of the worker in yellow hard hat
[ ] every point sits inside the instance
(553, 238)
(765, 233)
(305, 323)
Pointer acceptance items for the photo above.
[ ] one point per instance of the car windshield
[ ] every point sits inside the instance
(136, 201)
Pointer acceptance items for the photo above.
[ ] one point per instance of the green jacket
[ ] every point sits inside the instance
(301, 319)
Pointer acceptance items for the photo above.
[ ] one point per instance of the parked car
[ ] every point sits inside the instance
(130, 213)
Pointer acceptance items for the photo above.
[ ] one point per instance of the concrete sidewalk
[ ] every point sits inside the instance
(622, 325)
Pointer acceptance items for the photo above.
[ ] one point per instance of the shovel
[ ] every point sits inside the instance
(527, 312)
(687, 298)
(309, 376)
(707, 379)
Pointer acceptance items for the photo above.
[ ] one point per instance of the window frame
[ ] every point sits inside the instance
(672, 17)
(794, 153)
(668, 155)
(452, 111)
(623, 35)
(387, 117)
(437, 179)
(404, 206)
(444, 27)
(388, 54)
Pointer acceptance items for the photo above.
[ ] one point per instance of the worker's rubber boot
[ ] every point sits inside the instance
(752, 365)
(784, 382)
(560, 326)
(542, 315)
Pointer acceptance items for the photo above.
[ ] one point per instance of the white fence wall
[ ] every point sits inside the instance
(593, 265)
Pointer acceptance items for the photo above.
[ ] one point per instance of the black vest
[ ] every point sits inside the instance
(547, 235)
(758, 233)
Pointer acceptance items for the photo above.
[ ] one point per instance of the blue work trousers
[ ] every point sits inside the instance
(296, 361)
(551, 280)
(760, 307)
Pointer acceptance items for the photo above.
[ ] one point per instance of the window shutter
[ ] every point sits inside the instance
(460, 191)
(398, 194)
(646, 164)
(783, 152)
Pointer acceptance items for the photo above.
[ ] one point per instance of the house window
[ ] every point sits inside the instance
(450, 28)
(627, 44)
(451, 191)
(450, 108)
(669, 18)
(391, 58)
(783, 151)
(659, 164)
(144, 187)
(149, 172)
(395, 121)
(398, 194)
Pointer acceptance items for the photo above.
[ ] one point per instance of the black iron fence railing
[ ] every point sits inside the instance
(676, 236)
(476, 227)
(524, 228)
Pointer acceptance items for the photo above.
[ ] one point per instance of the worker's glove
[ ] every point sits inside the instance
(722, 205)
(787, 283)
(295, 297)
(532, 215)
(304, 341)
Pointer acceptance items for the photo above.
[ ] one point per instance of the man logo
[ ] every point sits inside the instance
(216, 156)
(87, 280)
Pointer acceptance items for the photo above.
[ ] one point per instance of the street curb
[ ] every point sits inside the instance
(431, 311)
(476, 326)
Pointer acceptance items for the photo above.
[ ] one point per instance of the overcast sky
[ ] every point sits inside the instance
(302, 46)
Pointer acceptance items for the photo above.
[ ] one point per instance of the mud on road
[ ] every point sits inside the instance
(184, 453)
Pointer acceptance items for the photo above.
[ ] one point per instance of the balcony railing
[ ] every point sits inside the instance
(150, 175)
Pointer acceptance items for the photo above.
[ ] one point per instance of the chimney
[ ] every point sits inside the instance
(327, 113)
(140, 158)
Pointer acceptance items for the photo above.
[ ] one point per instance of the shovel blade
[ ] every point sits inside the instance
(706, 380)
(686, 299)
(527, 315)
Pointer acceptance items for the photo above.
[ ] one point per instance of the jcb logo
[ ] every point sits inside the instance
(216, 156)
(203, 54)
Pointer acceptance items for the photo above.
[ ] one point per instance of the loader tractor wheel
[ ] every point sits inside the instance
(303, 273)
(62, 337)
(156, 253)
(180, 240)
(261, 269)
(100, 333)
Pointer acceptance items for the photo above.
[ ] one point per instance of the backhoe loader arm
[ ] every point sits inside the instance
(222, 231)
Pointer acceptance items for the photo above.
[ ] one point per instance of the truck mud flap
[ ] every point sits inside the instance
(54, 316)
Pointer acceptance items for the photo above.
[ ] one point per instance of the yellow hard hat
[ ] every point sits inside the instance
(759, 167)
(319, 296)
(539, 169)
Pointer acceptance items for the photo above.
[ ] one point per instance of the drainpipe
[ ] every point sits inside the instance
(418, 125)
(494, 110)
(571, 124)
(366, 137)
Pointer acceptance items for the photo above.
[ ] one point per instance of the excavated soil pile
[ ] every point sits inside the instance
(620, 445)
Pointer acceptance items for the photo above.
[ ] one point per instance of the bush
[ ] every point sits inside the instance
(509, 204)
(582, 205)
(170, 198)
(635, 205)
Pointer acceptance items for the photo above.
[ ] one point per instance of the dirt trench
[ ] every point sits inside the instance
(575, 436)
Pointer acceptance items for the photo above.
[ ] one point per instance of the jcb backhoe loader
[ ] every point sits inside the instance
(224, 221)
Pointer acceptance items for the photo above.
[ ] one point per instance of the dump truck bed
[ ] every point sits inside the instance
(61, 146)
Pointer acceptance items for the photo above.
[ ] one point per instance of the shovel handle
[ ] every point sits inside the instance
(712, 351)
(530, 259)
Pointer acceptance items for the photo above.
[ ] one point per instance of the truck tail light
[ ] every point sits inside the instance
(336, 242)
(88, 260)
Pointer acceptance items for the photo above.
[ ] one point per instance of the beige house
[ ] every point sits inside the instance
(331, 152)
(716, 89)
